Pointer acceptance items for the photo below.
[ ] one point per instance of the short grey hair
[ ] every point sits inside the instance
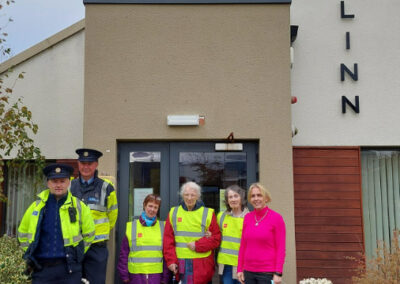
(192, 185)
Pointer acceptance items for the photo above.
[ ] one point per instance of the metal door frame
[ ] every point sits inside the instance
(169, 175)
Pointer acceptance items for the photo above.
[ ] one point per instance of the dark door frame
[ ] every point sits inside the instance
(169, 177)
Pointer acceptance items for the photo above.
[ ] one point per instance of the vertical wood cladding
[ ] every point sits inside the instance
(328, 211)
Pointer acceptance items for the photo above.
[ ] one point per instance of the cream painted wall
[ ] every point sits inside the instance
(320, 48)
(229, 63)
(53, 90)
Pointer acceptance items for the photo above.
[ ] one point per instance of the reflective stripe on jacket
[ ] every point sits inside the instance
(145, 247)
(73, 233)
(105, 211)
(231, 229)
(189, 226)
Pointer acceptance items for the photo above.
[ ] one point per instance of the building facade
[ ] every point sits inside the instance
(346, 169)
(52, 89)
(227, 63)
(114, 85)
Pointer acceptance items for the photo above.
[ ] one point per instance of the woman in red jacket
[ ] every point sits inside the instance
(190, 237)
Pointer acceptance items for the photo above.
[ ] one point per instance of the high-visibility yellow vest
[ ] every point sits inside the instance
(231, 229)
(73, 233)
(104, 216)
(189, 226)
(145, 247)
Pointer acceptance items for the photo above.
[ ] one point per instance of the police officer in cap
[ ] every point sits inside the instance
(56, 230)
(100, 197)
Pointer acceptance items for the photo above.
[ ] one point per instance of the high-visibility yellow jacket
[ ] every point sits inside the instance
(231, 229)
(101, 198)
(189, 226)
(145, 247)
(82, 230)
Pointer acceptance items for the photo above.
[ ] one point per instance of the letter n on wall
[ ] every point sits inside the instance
(355, 107)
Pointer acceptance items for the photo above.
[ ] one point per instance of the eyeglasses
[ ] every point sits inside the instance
(156, 197)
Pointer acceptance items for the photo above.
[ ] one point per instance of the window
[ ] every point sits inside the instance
(381, 196)
(21, 192)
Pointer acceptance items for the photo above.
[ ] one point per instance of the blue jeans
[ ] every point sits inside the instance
(227, 276)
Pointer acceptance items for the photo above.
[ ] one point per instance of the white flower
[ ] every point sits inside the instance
(315, 281)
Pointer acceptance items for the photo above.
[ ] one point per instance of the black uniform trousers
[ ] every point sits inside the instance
(56, 272)
(95, 263)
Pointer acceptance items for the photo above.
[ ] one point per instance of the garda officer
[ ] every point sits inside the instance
(100, 197)
(56, 230)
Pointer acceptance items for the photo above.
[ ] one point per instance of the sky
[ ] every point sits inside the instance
(36, 20)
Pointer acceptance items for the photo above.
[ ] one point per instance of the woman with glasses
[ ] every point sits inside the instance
(141, 257)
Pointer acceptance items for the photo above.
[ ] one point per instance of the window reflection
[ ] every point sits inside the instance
(144, 178)
(213, 171)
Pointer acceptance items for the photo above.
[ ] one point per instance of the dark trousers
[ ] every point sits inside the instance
(56, 273)
(95, 264)
(257, 277)
(227, 275)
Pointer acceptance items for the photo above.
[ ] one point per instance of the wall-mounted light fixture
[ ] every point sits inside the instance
(185, 120)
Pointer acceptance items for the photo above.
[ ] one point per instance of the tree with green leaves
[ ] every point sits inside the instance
(16, 125)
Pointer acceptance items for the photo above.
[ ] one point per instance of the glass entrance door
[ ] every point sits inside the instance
(213, 171)
(162, 167)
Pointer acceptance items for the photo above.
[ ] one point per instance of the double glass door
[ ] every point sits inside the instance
(162, 167)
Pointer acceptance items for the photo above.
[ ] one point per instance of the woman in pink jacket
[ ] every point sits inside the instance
(263, 245)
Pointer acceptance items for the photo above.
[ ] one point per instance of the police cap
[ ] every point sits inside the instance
(58, 171)
(88, 155)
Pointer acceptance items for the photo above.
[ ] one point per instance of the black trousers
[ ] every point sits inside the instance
(95, 264)
(56, 273)
(257, 277)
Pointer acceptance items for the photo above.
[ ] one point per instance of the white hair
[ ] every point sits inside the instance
(192, 185)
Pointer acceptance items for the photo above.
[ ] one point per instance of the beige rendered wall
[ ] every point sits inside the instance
(53, 90)
(229, 63)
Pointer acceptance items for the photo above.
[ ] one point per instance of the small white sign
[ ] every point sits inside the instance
(139, 194)
(222, 206)
(228, 147)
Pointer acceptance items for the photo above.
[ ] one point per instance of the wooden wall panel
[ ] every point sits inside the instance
(73, 163)
(328, 212)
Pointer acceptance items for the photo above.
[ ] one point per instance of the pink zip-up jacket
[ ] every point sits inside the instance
(262, 247)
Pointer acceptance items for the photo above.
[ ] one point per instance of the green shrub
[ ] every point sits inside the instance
(384, 268)
(12, 265)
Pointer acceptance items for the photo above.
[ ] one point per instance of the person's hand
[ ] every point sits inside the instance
(277, 279)
(173, 267)
(208, 234)
(191, 246)
(240, 277)
(125, 281)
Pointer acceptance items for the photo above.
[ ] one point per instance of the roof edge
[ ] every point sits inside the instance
(41, 46)
(187, 1)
